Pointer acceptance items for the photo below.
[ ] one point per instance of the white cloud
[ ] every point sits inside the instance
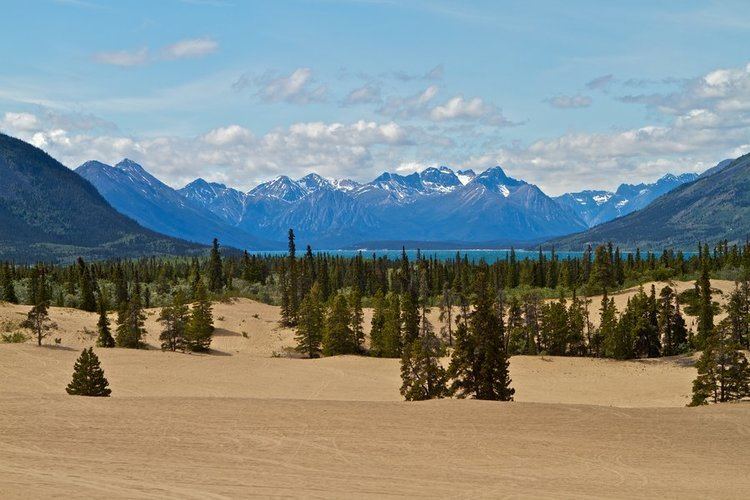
(123, 58)
(182, 49)
(223, 136)
(19, 121)
(298, 87)
(569, 101)
(190, 47)
(366, 94)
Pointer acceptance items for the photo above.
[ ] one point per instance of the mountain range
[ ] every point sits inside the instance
(714, 207)
(434, 205)
(48, 213)
(595, 207)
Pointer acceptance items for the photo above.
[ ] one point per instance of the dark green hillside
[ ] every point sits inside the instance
(48, 212)
(712, 208)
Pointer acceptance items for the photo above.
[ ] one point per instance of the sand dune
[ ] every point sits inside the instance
(239, 422)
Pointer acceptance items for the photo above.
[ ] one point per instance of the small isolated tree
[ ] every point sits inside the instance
(105, 338)
(174, 319)
(200, 326)
(88, 377)
(38, 322)
(311, 323)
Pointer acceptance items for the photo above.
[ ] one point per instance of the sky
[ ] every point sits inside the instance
(568, 95)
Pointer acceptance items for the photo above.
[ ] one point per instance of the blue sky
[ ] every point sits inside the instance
(567, 95)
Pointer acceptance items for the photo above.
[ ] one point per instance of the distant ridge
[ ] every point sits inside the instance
(710, 209)
(48, 213)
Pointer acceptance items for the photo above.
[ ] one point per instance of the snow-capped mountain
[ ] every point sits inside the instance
(596, 207)
(134, 192)
(436, 204)
(223, 201)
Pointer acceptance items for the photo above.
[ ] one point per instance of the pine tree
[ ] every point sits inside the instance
(392, 334)
(555, 330)
(88, 377)
(8, 290)
(357, 318)
(479, 364)
(88, 301)
(409, 319)
(377, 324)
(723, 370)
(215, 269)
(338, 337)
(577, 322)
(422, 375)
(292, 282)
(130, 329)
(671, 325)
(200, 325)
(104, 339)
(37, 320)
(601, 278)
(604, 341)
(174, 319)
(311, 323)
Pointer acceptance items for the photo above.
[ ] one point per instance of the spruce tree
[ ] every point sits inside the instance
(555, 328)
(422, 375)
(8, 290)
(130, 329)
(392, 328)
(104, 339)
(479, 364)
(215, 269)
(311, 323)
(200, 324)
(377, 324)
(88, 377)
(174, 319)
(86, 286)
(723, 370)
(292, 281)
(409, 319)
(357, 317)
(338, 337)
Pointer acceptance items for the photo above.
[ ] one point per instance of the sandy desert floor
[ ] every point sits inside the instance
(239, 422)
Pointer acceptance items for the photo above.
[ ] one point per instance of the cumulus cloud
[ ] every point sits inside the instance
(182, 49)
(562, 101)
(297, 87)
(456, 108)
(233, 154)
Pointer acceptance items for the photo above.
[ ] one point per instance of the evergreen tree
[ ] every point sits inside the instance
(377, 324)
(311, 323)
(671, 325)
(37, 320)
(8, 290)
(88, 377)
(200, 325)
(737, 315)
(391, 337)
(357, 318)
(555, 328)
(86, 285)
(215, 269)
(130, 329)
(601, 277)
(338, 337)
(577, 323)
(479, 364)
(409, 319)
(104, 339)
(292, 282)
(174, 319)
(723, 370)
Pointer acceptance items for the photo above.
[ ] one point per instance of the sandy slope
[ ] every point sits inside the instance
(239, 422)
